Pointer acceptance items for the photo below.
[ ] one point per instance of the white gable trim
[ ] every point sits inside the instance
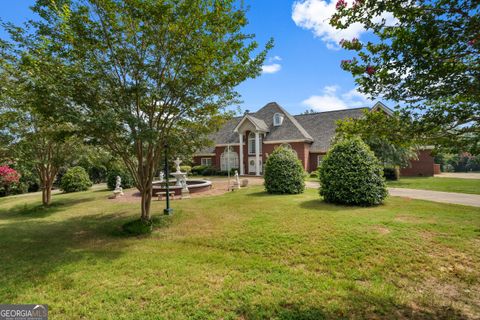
(247, 117)
(384, 108)
(285, 141)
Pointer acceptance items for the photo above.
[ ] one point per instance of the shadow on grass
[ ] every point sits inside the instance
(32, 249)
(360, 305)
(35, 210)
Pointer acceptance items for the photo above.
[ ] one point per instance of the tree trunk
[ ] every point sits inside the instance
(47, 193)
(146, 203)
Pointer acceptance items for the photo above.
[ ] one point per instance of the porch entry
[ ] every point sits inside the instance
(251, 165)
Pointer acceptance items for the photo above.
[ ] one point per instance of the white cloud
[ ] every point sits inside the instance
(315, 15)
(271, 68)
(332, 99)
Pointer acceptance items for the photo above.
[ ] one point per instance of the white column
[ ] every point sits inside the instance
(257, 154)
(240, 137)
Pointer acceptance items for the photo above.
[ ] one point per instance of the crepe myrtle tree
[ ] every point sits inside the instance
(427, 58)
(150, 72)
(31, 81)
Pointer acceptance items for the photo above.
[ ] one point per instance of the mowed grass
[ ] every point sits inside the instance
(438, 184)
(244, 255)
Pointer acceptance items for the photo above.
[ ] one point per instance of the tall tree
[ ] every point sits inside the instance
(32, 87)
(388, 136)
(427, 58)
(150, 73)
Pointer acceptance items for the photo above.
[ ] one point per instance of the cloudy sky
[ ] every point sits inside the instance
(302, 70)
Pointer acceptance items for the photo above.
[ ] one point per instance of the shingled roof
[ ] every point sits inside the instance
(322, 125)
(317, 128)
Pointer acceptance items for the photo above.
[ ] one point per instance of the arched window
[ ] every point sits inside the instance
(251, 143)
(288, 146)
(229, 159)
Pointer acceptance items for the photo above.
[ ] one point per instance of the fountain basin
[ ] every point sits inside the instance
(194, 186)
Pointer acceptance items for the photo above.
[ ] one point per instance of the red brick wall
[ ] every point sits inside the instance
(197, 160)
(313, 161)
(424, 166)
(301, 148)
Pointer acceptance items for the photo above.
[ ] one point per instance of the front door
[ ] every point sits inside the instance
(252, 167)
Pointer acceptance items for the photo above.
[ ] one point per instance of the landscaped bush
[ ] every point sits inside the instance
(186, 169)
(209, 171)
(197, 170)
(127, 180)
(390, 174)
(9, 180)
(75, 179)
(314, 174)
(284, 172)
(351, 174)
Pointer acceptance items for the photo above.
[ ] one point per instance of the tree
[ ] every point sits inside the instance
(427, 60)
(389, 136)
(32, 81)
(150, 73)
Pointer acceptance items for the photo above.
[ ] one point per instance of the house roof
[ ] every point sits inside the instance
(317, 128)
(322, 125)
(290, 128)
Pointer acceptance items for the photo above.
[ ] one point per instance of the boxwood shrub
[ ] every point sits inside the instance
(284, 173)
(351, 174)
(127, 180)
(197, 170)
(75, 179)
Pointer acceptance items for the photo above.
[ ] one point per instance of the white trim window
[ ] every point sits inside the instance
(319, 159)
(251, 143)
(206, 162)
(277, 119)
(229, 159)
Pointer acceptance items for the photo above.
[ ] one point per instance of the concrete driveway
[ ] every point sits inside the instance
(460, 175)
(472, 200)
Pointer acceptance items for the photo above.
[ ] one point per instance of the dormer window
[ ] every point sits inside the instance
(277, 119)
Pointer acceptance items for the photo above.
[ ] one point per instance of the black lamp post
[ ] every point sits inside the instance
(167, 210)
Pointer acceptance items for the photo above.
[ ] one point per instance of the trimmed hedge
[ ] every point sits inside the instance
(127, 180)
(75, 179)
(197, 170)
(284, 173)
(351, 174)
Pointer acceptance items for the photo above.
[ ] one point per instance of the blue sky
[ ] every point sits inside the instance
(303, 69)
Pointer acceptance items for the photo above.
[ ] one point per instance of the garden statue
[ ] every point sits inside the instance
(177, 164)
(118, 188)
(162, 176)
(237, 180)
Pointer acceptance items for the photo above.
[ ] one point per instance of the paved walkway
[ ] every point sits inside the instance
(436, 196)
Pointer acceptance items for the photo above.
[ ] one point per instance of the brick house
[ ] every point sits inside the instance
(245, 142)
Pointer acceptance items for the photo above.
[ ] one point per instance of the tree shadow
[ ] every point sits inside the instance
(358, 304)
(35, 210)
(32, 249)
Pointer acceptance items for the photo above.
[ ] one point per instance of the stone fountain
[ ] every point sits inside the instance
(181, 178)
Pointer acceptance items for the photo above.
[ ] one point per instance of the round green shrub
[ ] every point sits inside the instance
(314, 174)
(75, 179)
(351, 174)
(127, 180)
(187, 169)
(284, 173)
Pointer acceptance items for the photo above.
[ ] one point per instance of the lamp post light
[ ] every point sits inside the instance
(167, 210)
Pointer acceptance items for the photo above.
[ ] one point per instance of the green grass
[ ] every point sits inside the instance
(439, 184)
(244, 255)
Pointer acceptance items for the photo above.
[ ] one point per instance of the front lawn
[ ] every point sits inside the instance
(438, 184)
(244, 255)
